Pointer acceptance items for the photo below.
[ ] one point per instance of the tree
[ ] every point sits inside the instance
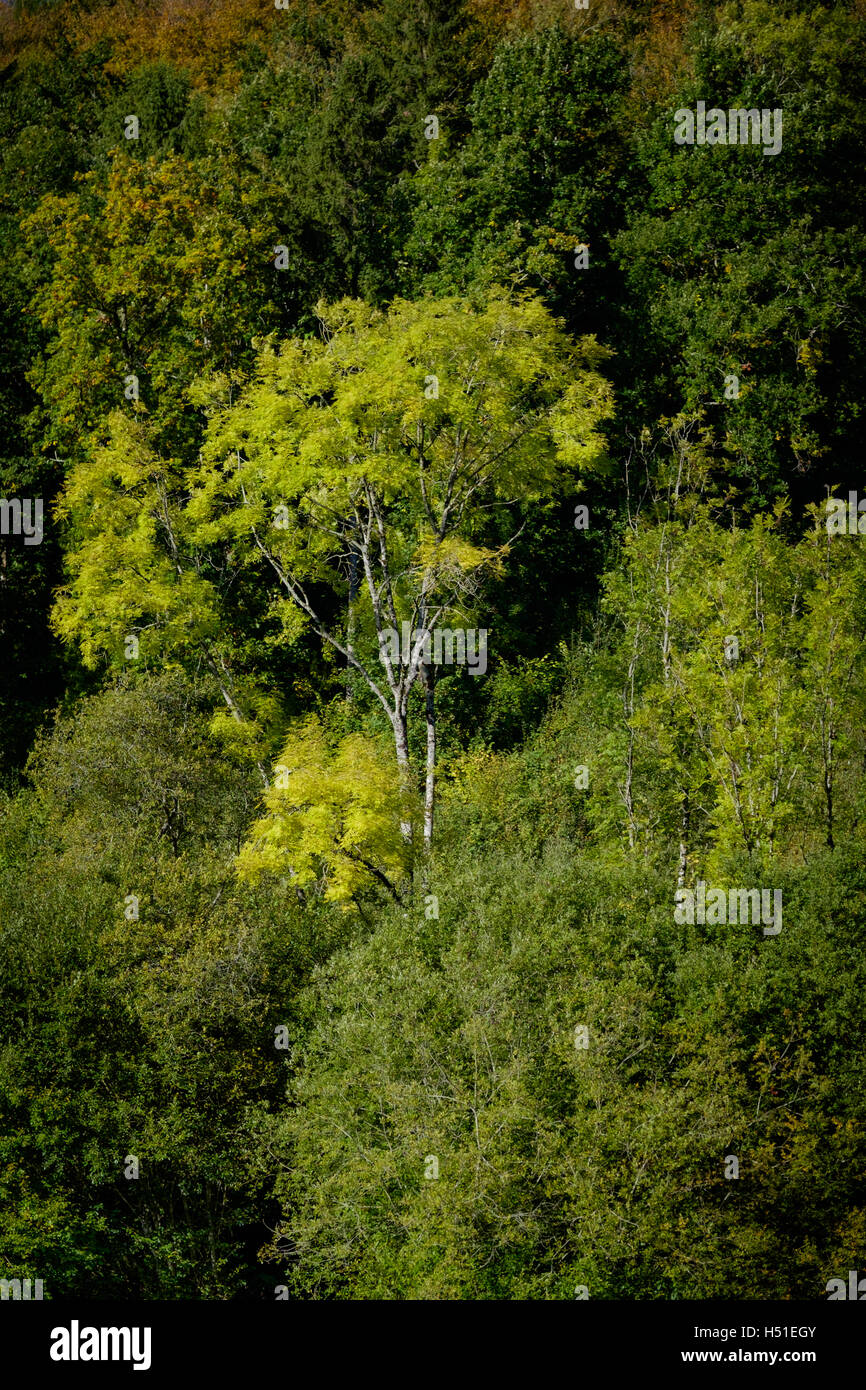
(744, 288)
(141, 988)
(742, 659)
(339, 819)
(51, 103)
(156, 273)
(543, 170)
(355, 470)
(575, 1073)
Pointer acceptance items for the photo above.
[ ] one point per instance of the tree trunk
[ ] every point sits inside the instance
(430, 782)
(399, 724)
(350, 622)
(684, 842)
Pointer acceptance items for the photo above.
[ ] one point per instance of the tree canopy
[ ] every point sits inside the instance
(443, 632)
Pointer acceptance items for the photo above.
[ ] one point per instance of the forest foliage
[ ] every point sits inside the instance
(328, 968)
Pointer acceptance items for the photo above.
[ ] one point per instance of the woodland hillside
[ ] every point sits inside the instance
(433, 605)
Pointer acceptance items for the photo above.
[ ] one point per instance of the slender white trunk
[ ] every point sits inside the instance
(430, 782)
(401, 744)
(684, 843)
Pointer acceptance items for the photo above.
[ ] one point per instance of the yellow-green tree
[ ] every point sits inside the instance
(355, 474)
